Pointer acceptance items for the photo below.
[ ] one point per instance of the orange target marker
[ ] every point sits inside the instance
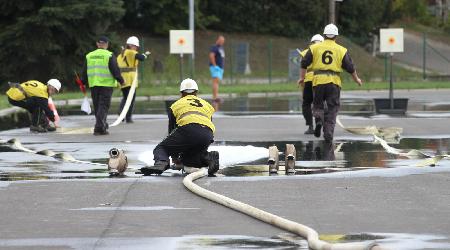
(181, 41)
(391, 40)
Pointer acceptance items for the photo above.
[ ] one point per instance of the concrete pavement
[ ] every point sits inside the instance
(136, 212)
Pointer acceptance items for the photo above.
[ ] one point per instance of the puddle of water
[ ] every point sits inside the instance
(284, 241)
(236, 158)
(316, 157)
(239, 105)
(260, 103)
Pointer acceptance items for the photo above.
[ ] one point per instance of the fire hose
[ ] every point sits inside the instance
(304, 231)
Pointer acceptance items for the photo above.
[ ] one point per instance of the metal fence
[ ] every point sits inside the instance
(270, 60)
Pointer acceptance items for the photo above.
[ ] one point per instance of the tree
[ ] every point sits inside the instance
(292, 18)
(48, 38)
(158, 17)
(356, 20)
(412, 10)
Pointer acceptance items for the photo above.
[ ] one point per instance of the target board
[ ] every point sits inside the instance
(181, 42)
(391, 40)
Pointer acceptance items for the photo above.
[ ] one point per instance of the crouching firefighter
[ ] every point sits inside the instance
(191, 131)
(33, 96)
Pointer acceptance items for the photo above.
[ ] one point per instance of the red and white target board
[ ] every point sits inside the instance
(181, 42)
(391, 40)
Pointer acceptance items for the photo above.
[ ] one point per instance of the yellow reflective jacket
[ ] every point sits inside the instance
(309, 73)
(28, 89)
(193, 109)
(327, 62)
(127, 64)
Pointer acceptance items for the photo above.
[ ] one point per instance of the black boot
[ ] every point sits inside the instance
(310, 130)
(318, 129)
(213, 162)
(158, 168)
(37, 129)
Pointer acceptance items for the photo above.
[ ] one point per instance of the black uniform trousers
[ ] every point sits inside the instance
(191, 141)
(329, 93)
(31, 105)
(101, 99)
(307, 103)
(125, 92)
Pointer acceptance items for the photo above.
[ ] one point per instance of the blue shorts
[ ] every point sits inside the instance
(216, 72)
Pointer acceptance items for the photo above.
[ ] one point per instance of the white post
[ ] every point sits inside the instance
(332, 11)
(191, 27)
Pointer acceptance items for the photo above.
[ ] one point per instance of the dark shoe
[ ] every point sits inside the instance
(130, 121)
(328, 140)
(37, 129)
(147, 171)
(318, 129)
(310, 130)
(158, 168)
(105, 132)
(50, 129)
(213, 162)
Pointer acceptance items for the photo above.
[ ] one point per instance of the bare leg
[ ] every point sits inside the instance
(215, 90)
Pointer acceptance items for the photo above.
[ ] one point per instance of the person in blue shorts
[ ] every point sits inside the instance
(216, 66)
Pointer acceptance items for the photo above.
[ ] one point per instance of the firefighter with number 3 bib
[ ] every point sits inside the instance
(327, 59)
(191, 131)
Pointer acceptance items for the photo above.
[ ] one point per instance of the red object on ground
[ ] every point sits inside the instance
(80, 83)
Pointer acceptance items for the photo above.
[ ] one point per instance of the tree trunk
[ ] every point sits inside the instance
(445, 6)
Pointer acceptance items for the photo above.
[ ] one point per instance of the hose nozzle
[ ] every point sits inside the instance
(114, 152)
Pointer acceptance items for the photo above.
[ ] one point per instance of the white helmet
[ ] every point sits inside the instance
(317, 38)
(55, 83)
(188, 86)
(132, 40)
(330, 30)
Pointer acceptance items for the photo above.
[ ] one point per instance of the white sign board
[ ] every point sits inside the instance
(181, 42)
(391, 40)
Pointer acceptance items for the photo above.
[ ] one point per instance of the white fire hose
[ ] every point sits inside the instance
(304, 231)
(127, 105)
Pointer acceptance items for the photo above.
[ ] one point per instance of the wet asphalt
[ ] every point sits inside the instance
(93, 213)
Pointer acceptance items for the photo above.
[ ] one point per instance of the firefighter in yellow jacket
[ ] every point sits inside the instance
(327, 59)
(33, 96)
(308, 89)
(128, 62)
(191, 131)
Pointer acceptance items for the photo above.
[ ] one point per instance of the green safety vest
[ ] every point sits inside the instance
(97, 69)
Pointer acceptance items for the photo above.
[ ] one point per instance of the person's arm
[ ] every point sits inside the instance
(43, 104)
(306, 61)
(140, 57)
(114, 69)
(84, 77)
(172, 121)
(212, 58)
(348, 65)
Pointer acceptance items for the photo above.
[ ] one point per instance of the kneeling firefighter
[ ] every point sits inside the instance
(33, 96)
(191, 131)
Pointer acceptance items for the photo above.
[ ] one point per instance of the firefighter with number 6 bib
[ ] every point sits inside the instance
(327, 59)
(191, 131)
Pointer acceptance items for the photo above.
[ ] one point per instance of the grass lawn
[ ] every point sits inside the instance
(243, 89)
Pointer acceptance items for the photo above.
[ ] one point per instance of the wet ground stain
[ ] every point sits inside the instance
(260, 103)
(279, 242)
(313, 157)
